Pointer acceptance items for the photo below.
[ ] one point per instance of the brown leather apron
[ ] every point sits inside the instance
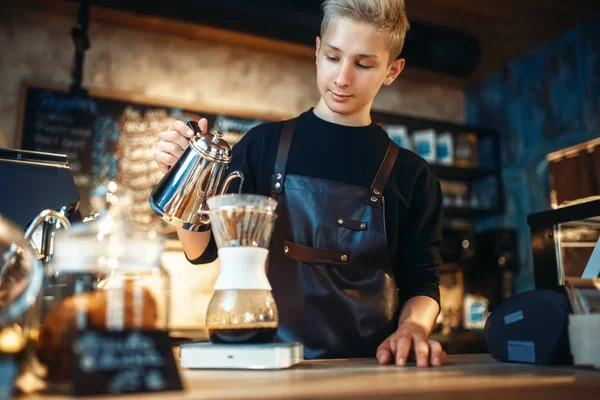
(329, 264)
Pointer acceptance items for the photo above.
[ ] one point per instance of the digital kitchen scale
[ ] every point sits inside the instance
(207, 355)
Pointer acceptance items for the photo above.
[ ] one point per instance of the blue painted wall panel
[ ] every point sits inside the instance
(542, 102)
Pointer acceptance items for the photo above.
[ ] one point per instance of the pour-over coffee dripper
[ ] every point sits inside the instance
(242, 308)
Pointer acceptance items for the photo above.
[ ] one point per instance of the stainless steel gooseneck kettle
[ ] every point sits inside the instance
(180, 196)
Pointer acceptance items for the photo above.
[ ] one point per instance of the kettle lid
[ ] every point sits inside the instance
(212, 146)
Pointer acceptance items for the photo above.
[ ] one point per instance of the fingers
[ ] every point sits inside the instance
(437, 354)
(164, 160)
(174, 137)
(421, 347)
(398, 346)
(172, 143)
(182, 129)
(166, 154)
(169, 148)
(384, 352)
(394, 346)
(203, 124)
(403, 344)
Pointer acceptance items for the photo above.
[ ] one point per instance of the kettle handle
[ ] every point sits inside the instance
(195, 127)
(226, 183)
(230, 178)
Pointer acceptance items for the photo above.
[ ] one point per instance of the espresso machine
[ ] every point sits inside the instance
(42, 198)
(242, 316)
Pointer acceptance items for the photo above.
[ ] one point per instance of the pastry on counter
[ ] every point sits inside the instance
(91, 310)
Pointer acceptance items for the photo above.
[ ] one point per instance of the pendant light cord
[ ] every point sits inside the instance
(82, 43)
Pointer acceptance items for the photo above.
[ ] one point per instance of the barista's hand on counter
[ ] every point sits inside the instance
(173, 142)
(396, 348)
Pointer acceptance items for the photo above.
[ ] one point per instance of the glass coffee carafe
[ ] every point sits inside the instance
(242, 308)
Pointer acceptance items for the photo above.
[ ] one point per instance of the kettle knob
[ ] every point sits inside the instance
(217, 135)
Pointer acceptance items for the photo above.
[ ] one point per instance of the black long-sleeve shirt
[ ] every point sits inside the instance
(352, 155)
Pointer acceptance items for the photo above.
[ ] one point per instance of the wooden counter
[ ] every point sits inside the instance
(464, 376)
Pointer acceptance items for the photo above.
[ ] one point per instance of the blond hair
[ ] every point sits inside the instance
(387, 16)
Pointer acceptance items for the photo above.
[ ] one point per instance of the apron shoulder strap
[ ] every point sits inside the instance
(283, 150)
(385, 169)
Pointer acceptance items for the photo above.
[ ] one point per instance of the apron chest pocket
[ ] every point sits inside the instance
(351, 224)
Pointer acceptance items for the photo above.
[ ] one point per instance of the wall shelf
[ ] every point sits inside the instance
(484, 179)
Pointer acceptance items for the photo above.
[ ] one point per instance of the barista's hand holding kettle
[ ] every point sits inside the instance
(171, 146)
(173, 142)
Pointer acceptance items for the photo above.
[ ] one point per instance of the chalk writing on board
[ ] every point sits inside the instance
(62, 125)
(123, 362)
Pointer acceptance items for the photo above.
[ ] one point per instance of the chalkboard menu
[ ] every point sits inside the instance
(119, 362)
(109, 136)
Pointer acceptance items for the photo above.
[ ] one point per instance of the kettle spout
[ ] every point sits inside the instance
(230, 178)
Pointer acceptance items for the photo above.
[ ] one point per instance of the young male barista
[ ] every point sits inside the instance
(354, 259)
